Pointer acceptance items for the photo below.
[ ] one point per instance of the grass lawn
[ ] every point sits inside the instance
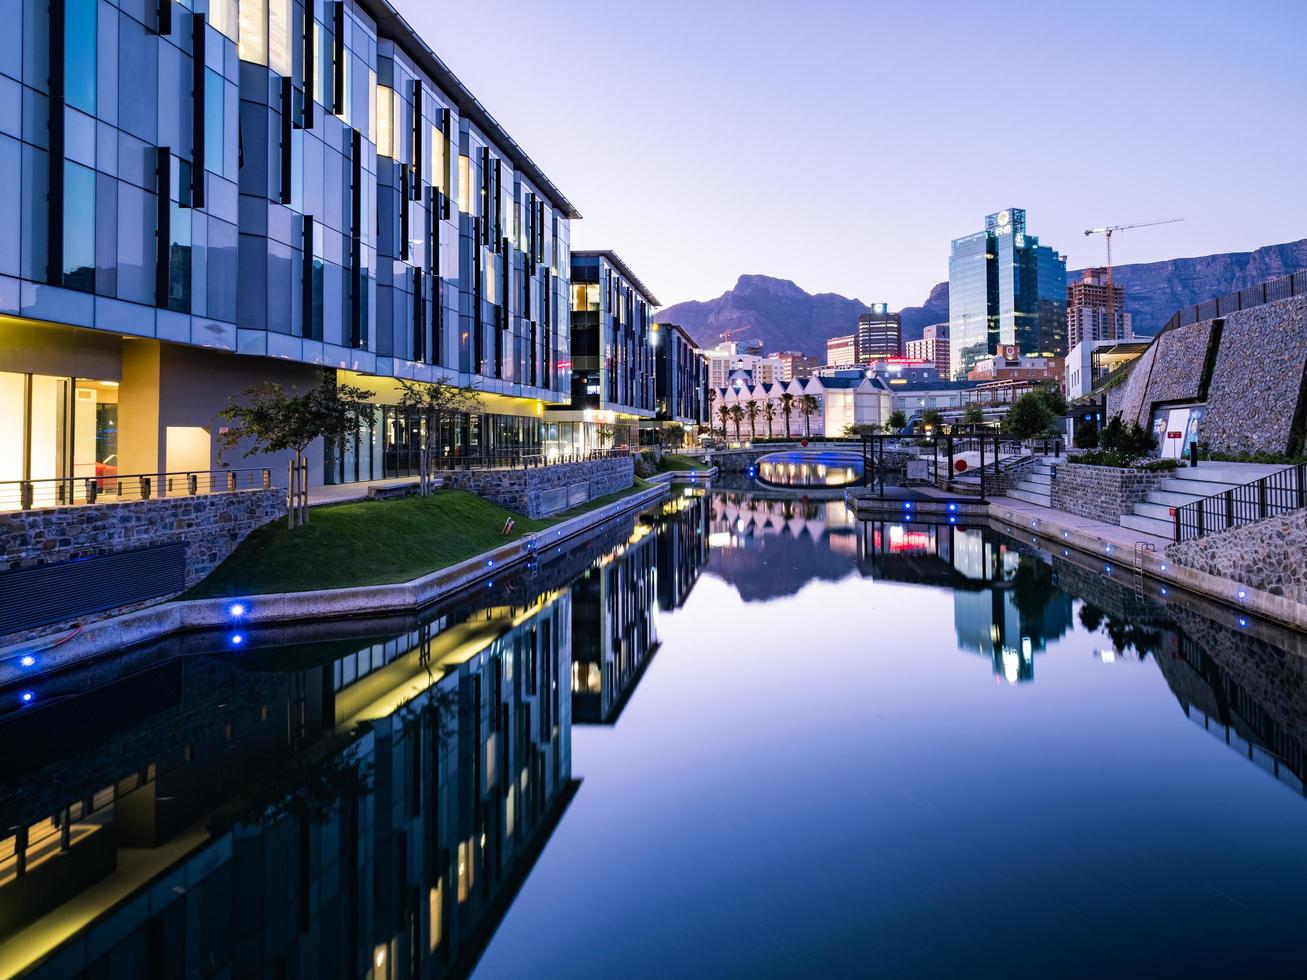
(373, 542)
(676, 462)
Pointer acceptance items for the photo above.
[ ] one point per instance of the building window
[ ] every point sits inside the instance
(253, 43)
(281, 54)
(372, 111)
(179, 239)
(79, 54)
(79, 227)
(215, 128)
(465, 195)
(224, 17)
(322, 57)
(385, 120)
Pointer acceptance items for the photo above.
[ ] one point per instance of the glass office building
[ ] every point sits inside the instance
(201, 197)
(1004, 288)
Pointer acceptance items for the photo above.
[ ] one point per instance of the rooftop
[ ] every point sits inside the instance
(616, 262)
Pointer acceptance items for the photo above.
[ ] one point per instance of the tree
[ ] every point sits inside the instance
(1086, 436)
(787, 406)
(932, 420)
(272, 420)
(604, 434)
(897, 421)
(809, 407)
(769, 413)
(751, 410)
(672, 436)
(724, 413)
(1028, 417)
(436, 403)
(1050, 393)
(856, 430)
(973, 414)
(737, 416)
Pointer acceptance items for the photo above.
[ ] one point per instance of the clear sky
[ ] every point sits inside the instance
(842, 144)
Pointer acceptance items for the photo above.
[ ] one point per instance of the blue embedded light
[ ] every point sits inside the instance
(236, 610)
(237, 639)
(952, 520)
(1242, 621)
(27, 660)
(952, 506)
(1065, 553)
(1163, 566)
(27, 697)
(1108, 549)
(1243, 594)
(1108, 569)
(1164, 590)
(490, 563)
(907, 505)
(1066, 534)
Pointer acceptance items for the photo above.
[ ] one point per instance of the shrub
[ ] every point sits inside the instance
(1028, 417)
(1086, 436)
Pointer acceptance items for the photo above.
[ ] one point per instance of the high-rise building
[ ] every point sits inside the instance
(680, 377)
(1004, 288)
(933, 346)
(794, 364)
(880, 333)
(204, 208)
(1086, 310)
(842, 351)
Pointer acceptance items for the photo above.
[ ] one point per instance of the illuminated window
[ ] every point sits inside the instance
(323, 65)
(372, 110)
(345, 114)
(224, 17)
(464, 184)
(281, 58)
(465, 870)
(385, 128)
(435, 915)
(253, 43)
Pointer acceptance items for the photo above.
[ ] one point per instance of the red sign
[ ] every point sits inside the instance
(1174, 435)
(803, 443)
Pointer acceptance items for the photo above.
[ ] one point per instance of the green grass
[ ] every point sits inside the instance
(678, 463)
(373, 542)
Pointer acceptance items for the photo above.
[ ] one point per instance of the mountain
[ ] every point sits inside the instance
(784, 317)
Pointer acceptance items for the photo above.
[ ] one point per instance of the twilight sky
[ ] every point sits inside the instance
(843, 143)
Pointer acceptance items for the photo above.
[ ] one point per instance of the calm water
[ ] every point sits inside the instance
(737, 736)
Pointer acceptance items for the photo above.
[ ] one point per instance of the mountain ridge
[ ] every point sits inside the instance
(784, 316)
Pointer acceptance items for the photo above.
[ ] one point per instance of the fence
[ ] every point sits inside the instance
(1279, 493)
(73, 491)
(1271, 291)
(521, 460)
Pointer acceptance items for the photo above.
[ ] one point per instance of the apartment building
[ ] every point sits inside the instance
(199, 200)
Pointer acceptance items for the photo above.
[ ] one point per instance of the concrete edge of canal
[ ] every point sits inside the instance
(181, 616)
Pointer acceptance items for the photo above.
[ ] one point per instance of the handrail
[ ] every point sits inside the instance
(76, 491)
(511, 460)
(1270, 291)
(1276, 493)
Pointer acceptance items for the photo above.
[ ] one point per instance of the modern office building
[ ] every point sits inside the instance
(1009, 364)
(680, 379)
(842, 351)
(933, 346)
(880, 333)
(727, 363)
(1087, 305)
(1091, 362)
(794, 365)
(1004, 288)
(199, 200)
(612, 356)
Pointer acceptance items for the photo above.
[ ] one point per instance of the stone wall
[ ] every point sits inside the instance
(1257, 383)
(544, 490)
(210, 525)
(1178, 369)
(1131, 399)
(1266, 555)
(1101, 493)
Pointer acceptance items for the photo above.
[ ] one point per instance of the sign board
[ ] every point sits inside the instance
(918, 470)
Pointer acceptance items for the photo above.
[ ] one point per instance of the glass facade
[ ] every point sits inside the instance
(1004, 288)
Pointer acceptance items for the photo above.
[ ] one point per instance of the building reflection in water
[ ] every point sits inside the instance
(615, 604)
(368, 813)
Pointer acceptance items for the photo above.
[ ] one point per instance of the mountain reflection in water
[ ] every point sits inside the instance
(368, 799)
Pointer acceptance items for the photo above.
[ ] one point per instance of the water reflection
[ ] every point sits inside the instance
(368, 798)
(810, 469)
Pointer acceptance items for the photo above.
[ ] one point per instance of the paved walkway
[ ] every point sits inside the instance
(341, 492)
(1022, 511)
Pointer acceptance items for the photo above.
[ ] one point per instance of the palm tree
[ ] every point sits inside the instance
(724, 413)
(808, 406)
(787, 406)
(769, 413)
(712, 397)
(737, 416)
(752, 412)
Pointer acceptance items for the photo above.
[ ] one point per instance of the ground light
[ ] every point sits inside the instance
(236, 610)
(237, 639)
(26, 660)
(27, 697)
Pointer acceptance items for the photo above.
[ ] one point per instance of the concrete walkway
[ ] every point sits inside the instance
(1026, 514)
(338, 493)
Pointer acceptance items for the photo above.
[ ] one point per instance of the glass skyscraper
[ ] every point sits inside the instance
(1004, 289)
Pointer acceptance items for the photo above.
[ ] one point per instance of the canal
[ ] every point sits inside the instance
(741, 734)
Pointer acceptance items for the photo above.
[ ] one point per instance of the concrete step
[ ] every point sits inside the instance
(1149, 525)
(1160, 511)
(1043, 479)
(1029, 497)
(1232, 473)
(1200, 488)
(1172, 498)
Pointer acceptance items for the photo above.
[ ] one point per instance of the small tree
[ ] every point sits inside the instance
(1113, 435)
(809, 407)
(436, 403)
(856, 430)
(769, 413)
(272, 420)
(724, 413)
(1028, 417)
(737, 416)
(1086, 436)
(973, 414)
(931, 419)
(896, 422)
(751, 410)
(604, 433)
(787, 406)
(1050, 393)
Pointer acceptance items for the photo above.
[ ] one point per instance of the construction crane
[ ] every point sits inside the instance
(1107, 235)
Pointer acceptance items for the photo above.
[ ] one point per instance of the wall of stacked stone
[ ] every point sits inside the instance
(1132, 400)
(210, 525)
(1257, 383)
(527, 491)
(1266, 555)
(1178, 369)
(1101, 493)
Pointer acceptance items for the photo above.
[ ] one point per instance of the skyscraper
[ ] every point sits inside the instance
(1086, 311)
(1004, 288)
(880, 334)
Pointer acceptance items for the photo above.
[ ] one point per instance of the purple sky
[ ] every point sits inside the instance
(842, 144)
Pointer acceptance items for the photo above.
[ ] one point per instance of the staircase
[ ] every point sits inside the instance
(1187, 484)
(1036, 484)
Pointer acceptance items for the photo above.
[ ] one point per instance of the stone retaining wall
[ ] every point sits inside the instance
(544, 490)
(1267, 555)
(210, 526)
(1101, 493)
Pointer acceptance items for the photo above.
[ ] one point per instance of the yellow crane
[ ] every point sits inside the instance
(1107, 235)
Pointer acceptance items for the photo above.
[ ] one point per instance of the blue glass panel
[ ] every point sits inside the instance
(79, 227)
(79, 54)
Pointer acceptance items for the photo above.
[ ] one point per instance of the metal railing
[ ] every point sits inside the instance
(1279, 493)
(78, 491)
(512, 460)
(1271, 291)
